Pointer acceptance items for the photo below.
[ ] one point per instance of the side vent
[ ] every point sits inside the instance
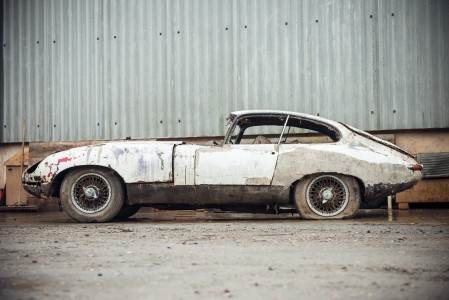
(436, 165)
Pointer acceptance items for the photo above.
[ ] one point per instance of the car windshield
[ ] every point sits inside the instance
(284, 129)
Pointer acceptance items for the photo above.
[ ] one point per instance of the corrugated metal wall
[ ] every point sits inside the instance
(84, 70)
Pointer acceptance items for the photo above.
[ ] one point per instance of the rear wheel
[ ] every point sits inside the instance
(91, 195)
(327, 197)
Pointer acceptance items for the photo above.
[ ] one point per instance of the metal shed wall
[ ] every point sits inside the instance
(90, 70)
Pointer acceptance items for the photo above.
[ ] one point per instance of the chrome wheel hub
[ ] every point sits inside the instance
(327, 195)
(91, 192)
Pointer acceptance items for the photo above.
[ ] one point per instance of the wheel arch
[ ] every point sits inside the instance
(293, 185)
(55, 186)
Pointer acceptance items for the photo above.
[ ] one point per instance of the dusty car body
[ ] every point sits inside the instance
(276, 159)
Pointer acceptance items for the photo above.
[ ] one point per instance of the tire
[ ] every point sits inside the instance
(328, 196)
(92, 195)
(127, 211)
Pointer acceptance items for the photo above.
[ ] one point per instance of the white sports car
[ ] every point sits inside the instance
(271, 159)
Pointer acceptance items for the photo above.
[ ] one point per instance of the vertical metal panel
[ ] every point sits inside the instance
(413, 43)
(82, 70)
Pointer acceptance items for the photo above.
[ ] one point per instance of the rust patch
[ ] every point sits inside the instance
(258, 181)
(386, 189)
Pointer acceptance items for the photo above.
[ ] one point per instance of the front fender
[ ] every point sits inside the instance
(133, 161)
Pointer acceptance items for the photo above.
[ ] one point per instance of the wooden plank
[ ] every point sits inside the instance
(427, 190)
(15, 194)
(416, 142)
(16, 159)
(403, 206)
(20, 208)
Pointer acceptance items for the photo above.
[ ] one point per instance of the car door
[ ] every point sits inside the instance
(242, 164)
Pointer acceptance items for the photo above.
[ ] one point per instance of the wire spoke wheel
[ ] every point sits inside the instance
(91, 193)
(327, 195)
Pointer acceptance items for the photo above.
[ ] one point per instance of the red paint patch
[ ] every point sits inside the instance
(65, 159)
(51, 174)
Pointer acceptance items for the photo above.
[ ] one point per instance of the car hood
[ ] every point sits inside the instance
(132, 160)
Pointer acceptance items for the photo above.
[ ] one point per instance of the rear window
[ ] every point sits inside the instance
(376, 139)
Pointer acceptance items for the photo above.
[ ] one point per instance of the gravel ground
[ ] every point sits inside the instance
(46, 256)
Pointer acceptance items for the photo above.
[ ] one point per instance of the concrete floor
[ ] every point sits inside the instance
(198, 255)
(374, 216)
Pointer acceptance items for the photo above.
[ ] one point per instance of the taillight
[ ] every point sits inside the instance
(415, 167)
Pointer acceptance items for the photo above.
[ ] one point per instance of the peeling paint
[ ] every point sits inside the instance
(234, 164)
(142, 165)
(159, 154)
(258, 181)
(184, 164)
(152, 160)
(52, 170)
(119, 152)
(386, 189)
(64, 159)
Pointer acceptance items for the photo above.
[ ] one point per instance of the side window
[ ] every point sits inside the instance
(304, 136)
(307, 131)
(263, 134)
(268, 129)
(257, 129)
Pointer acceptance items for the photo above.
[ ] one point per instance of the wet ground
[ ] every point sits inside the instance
(198, 255)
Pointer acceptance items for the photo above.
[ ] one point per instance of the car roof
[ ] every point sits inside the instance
(240, 113)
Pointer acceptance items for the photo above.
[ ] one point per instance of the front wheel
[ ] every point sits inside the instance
(92, 195)
(327, 197)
